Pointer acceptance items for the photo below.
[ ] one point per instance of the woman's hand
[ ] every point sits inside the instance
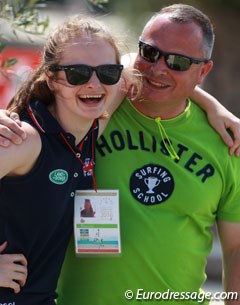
(220, 118)
(224, 121)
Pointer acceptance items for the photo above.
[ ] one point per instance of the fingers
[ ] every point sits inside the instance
(20, 274)
(226, 137)
(237, 152)
(17, 278)
(4, 142)
(11, 133)
(235, 148)
(3, 246)
(105, 115)
(13, 271)
(234, 127)
(232, 139)
(224, 121)
(15, 286)
(10, 129)
(17, 258)
(14, 116)
(222, 130)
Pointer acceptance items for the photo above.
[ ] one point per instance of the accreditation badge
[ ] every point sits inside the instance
(96, 222)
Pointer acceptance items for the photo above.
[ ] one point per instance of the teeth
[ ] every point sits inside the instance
(90, 96)
(157, 84)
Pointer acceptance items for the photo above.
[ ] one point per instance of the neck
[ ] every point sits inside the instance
(157, 109)
(78, 127)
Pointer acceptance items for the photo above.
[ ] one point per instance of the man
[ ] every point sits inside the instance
(174, 175)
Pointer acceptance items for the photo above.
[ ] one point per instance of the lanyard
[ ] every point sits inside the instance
(77, 155)
(167, 143)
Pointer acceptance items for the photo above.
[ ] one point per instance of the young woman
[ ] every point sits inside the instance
(76, 82)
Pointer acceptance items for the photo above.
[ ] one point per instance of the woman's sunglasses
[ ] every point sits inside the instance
(81, 74)
(176, 62)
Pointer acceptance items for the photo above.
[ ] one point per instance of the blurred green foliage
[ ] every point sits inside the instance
(21, 16)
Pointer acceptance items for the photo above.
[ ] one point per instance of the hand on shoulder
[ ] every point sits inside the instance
(19, 159)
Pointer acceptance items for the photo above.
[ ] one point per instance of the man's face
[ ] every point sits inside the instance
(160, 83)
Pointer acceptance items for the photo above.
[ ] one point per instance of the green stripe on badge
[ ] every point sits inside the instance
(100, 226)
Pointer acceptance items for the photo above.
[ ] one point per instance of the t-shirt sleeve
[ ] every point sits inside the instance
(229, 205)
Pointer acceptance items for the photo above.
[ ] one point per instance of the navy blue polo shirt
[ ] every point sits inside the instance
(36, 209)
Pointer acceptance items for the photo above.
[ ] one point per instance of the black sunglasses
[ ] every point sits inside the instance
(174, 61)
(80, 74)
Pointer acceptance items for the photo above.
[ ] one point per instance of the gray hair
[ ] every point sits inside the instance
(183, 13)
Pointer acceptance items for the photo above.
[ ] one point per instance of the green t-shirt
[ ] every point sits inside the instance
(167, 209)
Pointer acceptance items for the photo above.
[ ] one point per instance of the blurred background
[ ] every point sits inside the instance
(127, 18)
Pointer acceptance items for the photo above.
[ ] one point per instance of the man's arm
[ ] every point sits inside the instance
(229, 234)
(10, 128)
(13, 270)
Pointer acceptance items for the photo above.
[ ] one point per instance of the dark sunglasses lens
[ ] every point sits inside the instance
(178, 63)
(109, 74)
(78, 75)
(149, 53)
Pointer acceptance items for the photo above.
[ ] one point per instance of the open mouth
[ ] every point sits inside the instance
(91, 99)
(157, 84)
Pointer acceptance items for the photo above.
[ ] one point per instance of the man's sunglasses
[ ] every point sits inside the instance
(174, 61)
(81, 74)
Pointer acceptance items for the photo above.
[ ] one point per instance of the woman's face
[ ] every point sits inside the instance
(88, 100)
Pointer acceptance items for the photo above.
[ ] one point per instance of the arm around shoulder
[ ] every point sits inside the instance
(19, 159)
(13, 270)
(220, 118)
(10, 128)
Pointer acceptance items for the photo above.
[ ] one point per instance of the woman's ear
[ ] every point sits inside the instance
(49, 80)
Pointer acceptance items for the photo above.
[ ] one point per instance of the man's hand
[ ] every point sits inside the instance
(13, 270)
(10, 128)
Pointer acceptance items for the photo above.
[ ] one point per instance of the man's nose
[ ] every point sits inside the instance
(160, 66)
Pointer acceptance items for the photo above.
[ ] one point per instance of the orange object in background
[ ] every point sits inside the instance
(27, 58)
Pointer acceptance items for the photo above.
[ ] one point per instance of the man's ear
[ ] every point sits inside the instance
(206, 68)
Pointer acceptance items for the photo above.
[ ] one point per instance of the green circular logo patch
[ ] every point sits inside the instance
(58, 176)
